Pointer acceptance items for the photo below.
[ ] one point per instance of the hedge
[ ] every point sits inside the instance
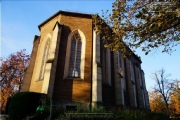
(23, 104)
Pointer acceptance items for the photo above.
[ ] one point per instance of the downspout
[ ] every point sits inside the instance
(91, 69)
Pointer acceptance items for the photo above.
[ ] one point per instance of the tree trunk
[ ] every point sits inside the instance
(167, 106)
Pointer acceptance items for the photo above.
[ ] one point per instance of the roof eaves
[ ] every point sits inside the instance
(63, 12)
(48, 19)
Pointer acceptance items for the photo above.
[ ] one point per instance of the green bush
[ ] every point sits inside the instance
(139, 115)
(23, 104)
(119, 113)
(159, 116)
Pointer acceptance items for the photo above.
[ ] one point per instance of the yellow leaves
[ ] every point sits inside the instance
(156, 103)
(159, 24)
(115, 25)
(106, 45)
(148, 24)
(175, 101)
(159, 15)
(177, 12)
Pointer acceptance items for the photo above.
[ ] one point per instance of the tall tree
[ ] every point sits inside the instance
(175, 99)
(144, 24)
(163, 86)
(12, 70)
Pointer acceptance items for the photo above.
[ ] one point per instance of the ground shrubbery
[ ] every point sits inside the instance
(131, 114)
(119, 114)
(23, 104)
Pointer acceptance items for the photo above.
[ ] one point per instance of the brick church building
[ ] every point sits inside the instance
(70, 64)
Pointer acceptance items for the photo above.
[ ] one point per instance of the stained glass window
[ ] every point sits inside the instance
(75, 56)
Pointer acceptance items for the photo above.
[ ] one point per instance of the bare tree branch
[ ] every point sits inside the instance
(163, 86)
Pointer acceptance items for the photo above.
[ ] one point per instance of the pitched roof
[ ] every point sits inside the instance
(66, 13)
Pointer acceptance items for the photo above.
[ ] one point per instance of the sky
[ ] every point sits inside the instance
(20, 19)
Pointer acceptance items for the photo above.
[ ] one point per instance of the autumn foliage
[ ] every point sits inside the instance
(144, 24)
(174, 105)
(12, 70)
(157, 103)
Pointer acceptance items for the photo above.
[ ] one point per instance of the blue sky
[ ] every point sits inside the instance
(20, 20)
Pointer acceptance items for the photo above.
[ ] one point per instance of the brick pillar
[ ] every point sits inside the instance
(28, 74)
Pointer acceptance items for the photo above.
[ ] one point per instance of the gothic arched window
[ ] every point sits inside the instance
(75, 56)
(44, 59)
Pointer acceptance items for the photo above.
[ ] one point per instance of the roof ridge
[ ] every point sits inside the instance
(66, 12)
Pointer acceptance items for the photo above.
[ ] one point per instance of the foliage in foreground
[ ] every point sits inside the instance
(119, 114)
(23, 104)
(144, 24)
(12, 70)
